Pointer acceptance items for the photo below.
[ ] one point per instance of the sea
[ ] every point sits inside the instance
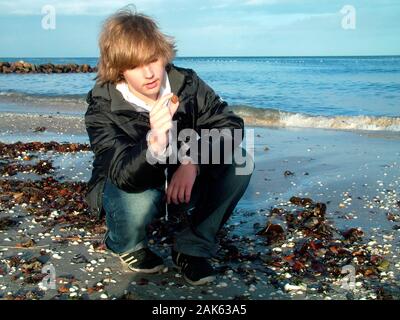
(344, 93)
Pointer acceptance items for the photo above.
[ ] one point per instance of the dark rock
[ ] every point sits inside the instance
(288, 173)
(85, 68)
(353, 235)
(22, 67)
(7, 69)
(382, 294)
(7, 223)
(19, 64)
(79, 258)
(39, 129)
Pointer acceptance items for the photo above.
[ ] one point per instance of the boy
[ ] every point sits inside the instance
(131, 113)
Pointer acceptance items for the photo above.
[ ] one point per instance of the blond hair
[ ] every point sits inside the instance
(128, 40)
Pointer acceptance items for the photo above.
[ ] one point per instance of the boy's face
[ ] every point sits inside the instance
(146, 81)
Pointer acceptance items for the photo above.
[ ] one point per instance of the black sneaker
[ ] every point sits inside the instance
(196, 270)
(143, 260)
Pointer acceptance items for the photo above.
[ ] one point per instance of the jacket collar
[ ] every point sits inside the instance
(109, 92)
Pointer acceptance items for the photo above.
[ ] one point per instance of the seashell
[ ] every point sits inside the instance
(175, 99)
(289, 288)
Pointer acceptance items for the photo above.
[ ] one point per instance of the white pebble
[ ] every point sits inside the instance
(289, 287)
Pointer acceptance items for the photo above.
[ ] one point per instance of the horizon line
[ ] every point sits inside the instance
(222, 56)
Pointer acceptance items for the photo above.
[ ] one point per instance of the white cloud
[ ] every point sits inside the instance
(74, 7)
(106, 7)
(259, 2)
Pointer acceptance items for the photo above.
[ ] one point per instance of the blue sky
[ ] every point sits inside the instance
(209, 27)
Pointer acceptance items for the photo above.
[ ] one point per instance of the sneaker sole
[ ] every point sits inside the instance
(199, 282)
(156, 269)
(127, 269)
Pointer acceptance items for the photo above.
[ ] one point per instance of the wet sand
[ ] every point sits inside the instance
(355, 173)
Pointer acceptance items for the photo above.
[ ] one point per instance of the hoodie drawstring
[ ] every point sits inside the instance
(166, 188)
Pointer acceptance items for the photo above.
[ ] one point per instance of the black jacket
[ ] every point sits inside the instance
(117, 132)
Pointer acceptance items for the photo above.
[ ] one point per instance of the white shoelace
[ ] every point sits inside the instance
(166, 188)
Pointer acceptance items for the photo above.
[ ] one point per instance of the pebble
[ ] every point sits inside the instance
(288, 287)
(56, 256)
(104, 296)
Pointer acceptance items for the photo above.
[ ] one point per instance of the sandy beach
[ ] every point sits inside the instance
(354, 173)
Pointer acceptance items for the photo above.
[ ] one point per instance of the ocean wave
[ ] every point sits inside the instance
(277, 118)
(43, 100)
(253, 116)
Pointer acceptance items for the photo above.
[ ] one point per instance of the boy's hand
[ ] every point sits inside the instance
(161, 122)
(180, 187)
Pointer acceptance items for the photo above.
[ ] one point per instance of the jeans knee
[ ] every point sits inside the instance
(130, 206)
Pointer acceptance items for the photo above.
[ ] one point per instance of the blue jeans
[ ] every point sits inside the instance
(215, 194)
